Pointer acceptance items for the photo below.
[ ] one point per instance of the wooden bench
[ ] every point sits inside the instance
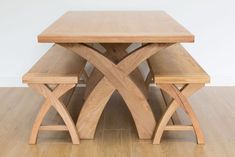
(178, 75)
(62, 69)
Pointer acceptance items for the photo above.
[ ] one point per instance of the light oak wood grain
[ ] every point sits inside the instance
(58, 65)
(51, 100)
(175, 65)
(168, 99)
(179, 100)
(53, 127)
(171, 68)
(118, 137)
(179, 128)
(115, 27)
(116, 77)
(56, 73)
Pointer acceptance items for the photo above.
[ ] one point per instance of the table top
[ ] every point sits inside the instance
(115, 27)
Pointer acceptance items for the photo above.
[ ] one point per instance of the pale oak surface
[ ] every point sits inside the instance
(115, 26)
(57, 65)
(175, 65)
(116, 134)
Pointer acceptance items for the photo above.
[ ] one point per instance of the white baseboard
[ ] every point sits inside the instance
(11, 82)
(222, 80)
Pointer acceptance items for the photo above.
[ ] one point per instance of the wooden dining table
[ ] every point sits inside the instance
(116, 69)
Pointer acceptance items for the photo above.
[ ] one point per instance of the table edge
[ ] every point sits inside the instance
(116, 39)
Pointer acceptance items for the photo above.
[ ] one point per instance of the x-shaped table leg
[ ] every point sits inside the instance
(116, 76)
(52, 99)
(179, 100)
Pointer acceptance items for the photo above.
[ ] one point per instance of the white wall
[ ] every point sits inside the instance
(211, 21)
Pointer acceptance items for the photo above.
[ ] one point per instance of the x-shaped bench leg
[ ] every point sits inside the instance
(116, 76)
(52, 99)
(179, 100)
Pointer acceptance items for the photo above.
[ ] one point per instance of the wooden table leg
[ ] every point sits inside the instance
(115, 52)
(116, 77)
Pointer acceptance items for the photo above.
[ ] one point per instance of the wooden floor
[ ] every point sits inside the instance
(116, 134)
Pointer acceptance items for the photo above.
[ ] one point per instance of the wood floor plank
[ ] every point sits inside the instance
(116, 114)
(116, 134)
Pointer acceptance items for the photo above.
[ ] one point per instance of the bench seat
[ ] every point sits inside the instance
(179, 76)
(58, 65)
(175, 65)
(56, 72)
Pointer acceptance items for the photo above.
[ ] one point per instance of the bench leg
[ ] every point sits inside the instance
(179, 100)
(52, 99)
(85, 76)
